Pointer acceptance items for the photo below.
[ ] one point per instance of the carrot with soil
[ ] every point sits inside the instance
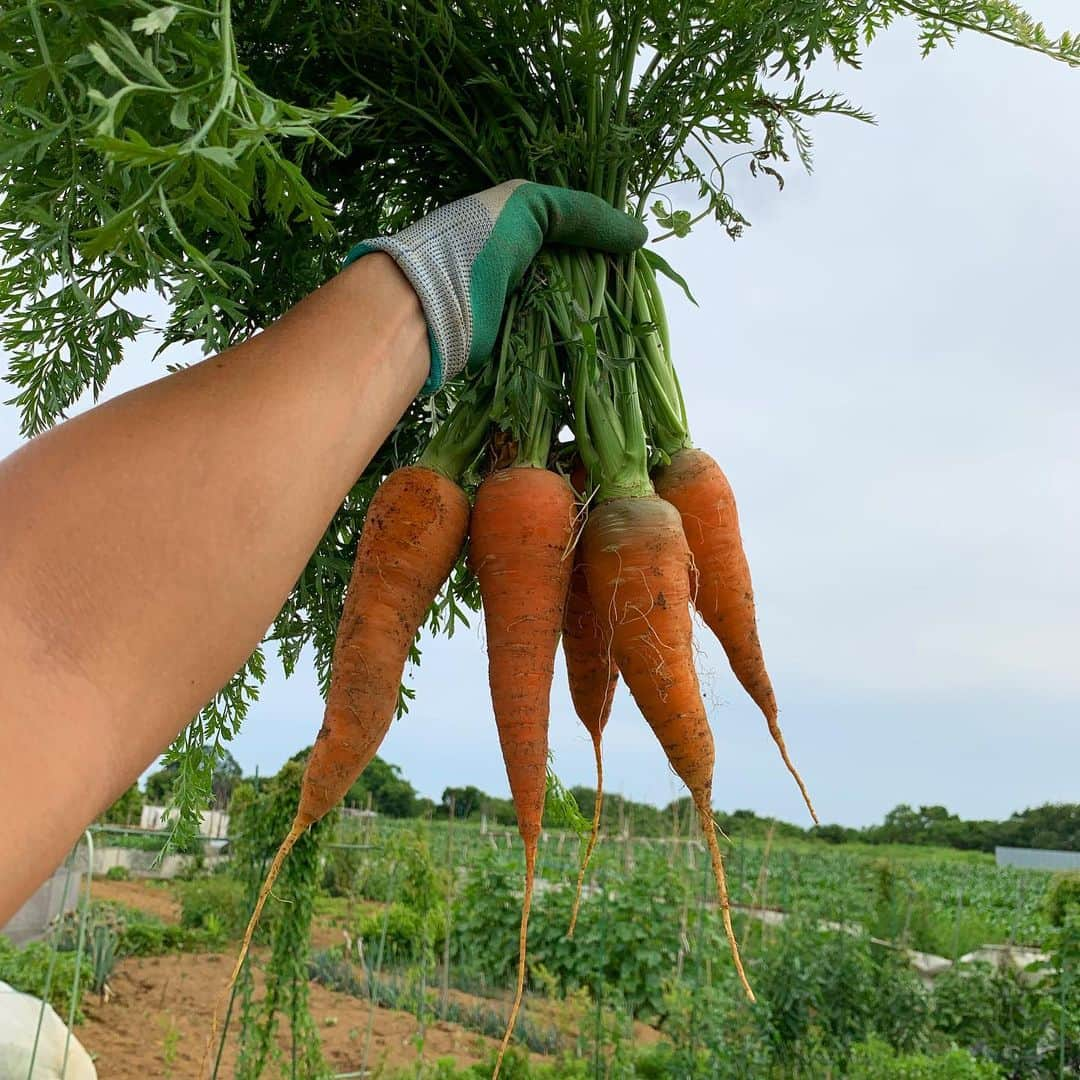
(521, 551)
(696, 486)
(638, 568)
(412, 536)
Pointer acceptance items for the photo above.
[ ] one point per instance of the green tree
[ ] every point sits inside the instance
(380, 784)
(126, 810)
(927, 825)
(466, 801)
(161, 784)
(834, 834)
(390, 793)
(227, 774)
(1053, 825)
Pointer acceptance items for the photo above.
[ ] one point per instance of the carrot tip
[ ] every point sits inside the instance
(523, 936)
(271, 876)
(778, 738)
(593, 837)
(708, 826)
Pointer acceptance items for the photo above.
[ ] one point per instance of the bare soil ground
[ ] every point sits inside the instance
(155, 898)
(158, 1015)
(156, 1022)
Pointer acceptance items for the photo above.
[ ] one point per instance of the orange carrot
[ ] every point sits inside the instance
(413, 532)
(696, 486)
(593, 676)
(638, 568)
(519, 548)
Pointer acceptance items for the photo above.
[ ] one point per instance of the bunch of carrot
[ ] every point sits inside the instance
(609, 560)
(626, 101)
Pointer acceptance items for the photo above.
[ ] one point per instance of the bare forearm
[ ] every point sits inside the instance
(147, 544)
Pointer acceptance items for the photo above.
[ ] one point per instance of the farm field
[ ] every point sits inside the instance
(159, 1007)
(155, 1023)
(413, 951)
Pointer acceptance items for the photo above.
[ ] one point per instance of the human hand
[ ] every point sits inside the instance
(464, 258)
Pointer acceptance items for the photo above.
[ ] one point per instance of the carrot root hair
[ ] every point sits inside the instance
(523, 934)
(778, 738)
(593, 836)
(287, 844)
(708, 827)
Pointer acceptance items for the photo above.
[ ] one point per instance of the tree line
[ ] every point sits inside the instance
(383, 789)
(1052, 825)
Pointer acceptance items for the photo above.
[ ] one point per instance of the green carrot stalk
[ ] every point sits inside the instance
(607, 421)
(460, 437)
(664, 406)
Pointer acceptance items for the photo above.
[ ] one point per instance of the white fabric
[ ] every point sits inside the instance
(19, 1015)
(496, 198)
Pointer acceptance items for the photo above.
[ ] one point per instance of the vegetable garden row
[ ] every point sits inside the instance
(425, 916)
(649, 944)
(996, 905)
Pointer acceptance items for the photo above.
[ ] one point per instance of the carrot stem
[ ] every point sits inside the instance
(657, 311)
(608, 421)
(535, 443)
(664, 394)
(664, 403)
(456, 443)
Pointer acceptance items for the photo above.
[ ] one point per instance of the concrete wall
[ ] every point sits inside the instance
(214, 824)
(142, 863)
(32, 920)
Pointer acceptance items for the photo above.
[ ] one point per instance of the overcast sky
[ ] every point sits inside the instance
(885, 365)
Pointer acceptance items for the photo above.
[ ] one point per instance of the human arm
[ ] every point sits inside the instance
(148, 544)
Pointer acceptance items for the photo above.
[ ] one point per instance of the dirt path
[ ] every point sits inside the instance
(157, 1018)
(154, 899)
(159, 899)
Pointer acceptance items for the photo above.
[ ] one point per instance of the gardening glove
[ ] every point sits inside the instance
(464, 258)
